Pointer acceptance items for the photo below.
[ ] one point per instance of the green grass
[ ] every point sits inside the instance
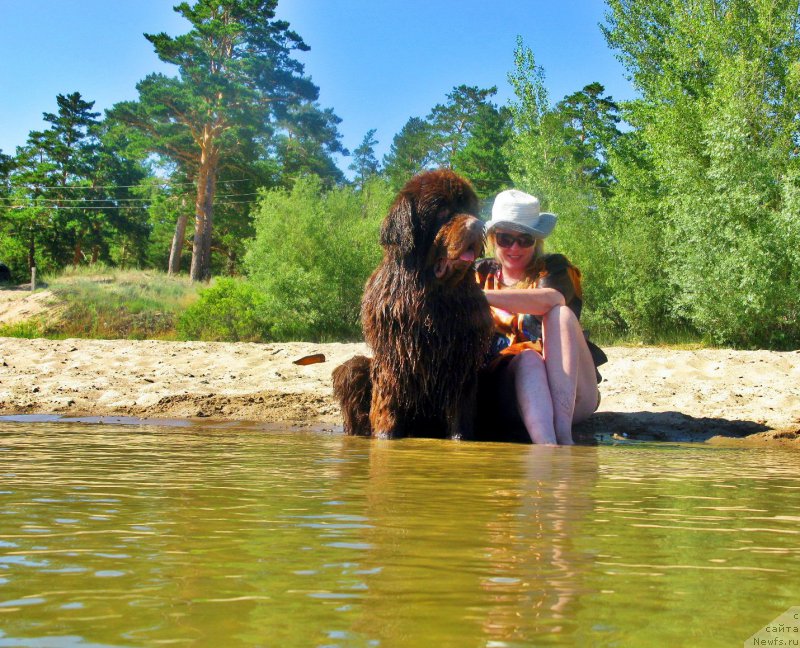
(32, 328)
(675, 338)
(112, 304)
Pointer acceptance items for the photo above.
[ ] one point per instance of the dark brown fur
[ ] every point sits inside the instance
(352, 387)
(424, 316)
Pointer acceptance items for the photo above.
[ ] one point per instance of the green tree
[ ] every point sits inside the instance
(168, 145)
(24, 223)
(71, 189)
(117, 175)
(531, 144)
(365, 164)
(452, 123)
(558, 153)
(639, 297)
(53, 183)
(306, 139)
(6, 166)
(588, 120)
(169, 208)
(467, 133)
(718, 123)
(10, 249)
(71, 146)
(410, 153)
(483, 159)
(236, 78)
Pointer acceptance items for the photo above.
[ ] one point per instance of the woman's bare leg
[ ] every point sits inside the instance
(570, 371)
(533, 396)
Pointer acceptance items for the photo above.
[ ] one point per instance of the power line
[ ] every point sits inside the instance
(110, 207)
(82, 201)
(137, 186)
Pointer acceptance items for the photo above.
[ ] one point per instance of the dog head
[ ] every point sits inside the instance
(456, 246)
(423, 219)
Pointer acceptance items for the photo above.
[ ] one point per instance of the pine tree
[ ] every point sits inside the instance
(365, 164)
(237, 79)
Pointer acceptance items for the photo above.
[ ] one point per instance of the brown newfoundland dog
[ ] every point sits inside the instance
(425, 318)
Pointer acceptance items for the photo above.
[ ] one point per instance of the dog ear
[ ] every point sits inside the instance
(397, 230)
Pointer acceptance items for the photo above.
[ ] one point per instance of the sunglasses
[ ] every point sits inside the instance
(505, 240)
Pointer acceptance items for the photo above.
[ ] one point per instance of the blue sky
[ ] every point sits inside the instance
(377, 62)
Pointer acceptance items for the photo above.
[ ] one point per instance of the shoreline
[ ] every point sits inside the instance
(648, 393)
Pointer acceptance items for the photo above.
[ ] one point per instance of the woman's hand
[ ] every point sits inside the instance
(532, 301)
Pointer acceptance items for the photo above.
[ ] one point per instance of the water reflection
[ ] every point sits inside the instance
(132, 536)
(539, 576)
(473, 541)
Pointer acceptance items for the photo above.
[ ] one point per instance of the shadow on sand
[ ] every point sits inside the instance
(661, 426)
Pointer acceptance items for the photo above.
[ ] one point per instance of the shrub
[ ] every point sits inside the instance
(229, 310)
(312, 254)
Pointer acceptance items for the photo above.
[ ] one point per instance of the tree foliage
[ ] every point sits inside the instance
(717, 124)
(410, 153)
(312, 254)
(237, 83)
(365, 164)
(559, 154)
(482, 158)
(70, 189)
(467, 133)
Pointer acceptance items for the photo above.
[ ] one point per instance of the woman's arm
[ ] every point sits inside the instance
(534, 301)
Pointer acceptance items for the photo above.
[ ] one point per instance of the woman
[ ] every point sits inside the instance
(543, 373)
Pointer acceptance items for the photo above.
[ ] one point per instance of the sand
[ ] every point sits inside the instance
(19, 304)
(647, 393)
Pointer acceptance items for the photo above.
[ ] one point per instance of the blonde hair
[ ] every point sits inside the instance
(534, 266)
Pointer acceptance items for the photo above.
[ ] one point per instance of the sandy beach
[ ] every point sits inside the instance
(647, 393)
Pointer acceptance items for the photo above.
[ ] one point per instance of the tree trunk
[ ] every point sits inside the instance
(31, 252)
(231, 265)
(77, 255)
(203, 218)
(176, 249)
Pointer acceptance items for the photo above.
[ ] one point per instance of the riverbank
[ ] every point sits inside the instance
(647, 392)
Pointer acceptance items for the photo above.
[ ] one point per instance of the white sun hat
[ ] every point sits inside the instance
(520, 212)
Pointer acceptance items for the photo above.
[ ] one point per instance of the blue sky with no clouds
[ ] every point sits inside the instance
(377, 62)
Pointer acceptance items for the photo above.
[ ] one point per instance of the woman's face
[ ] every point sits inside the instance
(516, 258)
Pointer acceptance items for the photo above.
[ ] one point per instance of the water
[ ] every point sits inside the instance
(134, 536)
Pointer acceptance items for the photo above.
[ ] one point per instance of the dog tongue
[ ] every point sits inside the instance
(468, 256)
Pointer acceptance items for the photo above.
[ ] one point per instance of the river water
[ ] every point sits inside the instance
(133, 535)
